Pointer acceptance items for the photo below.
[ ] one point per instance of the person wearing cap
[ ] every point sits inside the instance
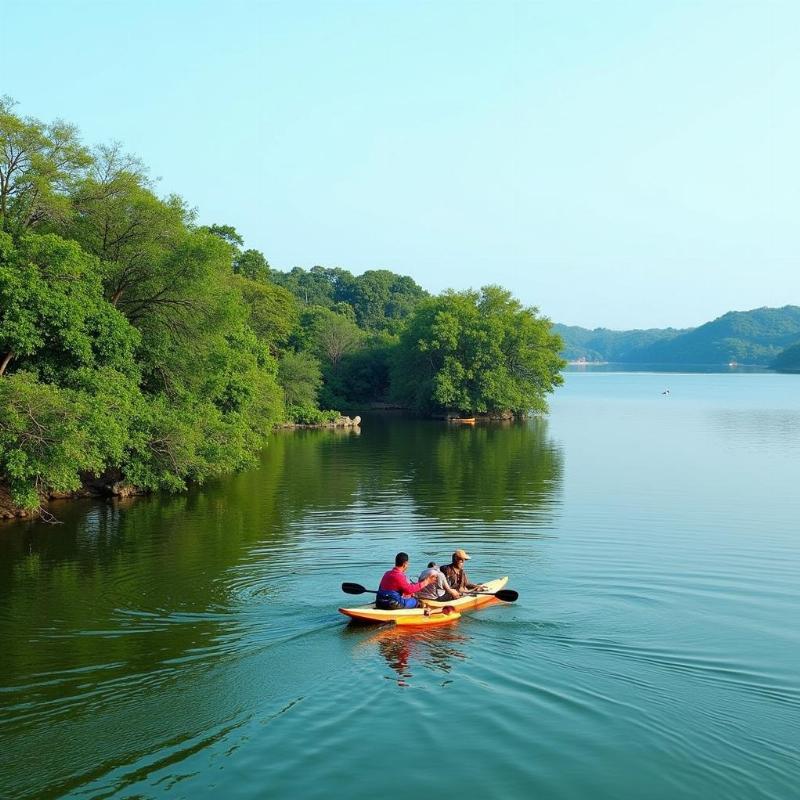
(457, 578)
(395, 590)
(439, 589)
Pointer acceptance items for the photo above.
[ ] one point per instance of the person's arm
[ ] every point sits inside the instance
(445, 584)
(406, 587)
(468, 585)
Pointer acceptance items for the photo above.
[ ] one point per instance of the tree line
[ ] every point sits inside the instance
(138, 345)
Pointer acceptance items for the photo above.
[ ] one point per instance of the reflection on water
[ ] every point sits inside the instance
(104, 616)
(488, 473)
(406, 649)
(172, 646)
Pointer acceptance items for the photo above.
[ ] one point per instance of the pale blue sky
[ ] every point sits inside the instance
(624, 164)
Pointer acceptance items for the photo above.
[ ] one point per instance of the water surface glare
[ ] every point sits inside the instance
(190, 647)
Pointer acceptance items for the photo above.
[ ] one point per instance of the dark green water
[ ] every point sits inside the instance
(190, 646)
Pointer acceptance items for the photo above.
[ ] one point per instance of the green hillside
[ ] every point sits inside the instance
(746, 337)
(756, 337)
(788, 360)
(602, 344)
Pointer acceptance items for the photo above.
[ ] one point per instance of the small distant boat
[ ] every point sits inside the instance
(462, 420)
(732, 364)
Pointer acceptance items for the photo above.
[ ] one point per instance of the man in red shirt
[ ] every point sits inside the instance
(395, 590)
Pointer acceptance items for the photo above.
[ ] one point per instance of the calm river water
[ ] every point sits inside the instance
(190, 647)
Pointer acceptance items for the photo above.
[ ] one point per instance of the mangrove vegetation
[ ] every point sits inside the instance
(142, 350)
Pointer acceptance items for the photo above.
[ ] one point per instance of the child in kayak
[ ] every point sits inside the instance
(440, 589)
(395, 590)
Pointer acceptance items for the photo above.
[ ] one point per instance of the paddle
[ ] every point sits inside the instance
(506, 595)
(356, 588)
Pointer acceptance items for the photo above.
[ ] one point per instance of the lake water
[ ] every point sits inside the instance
(190, 647)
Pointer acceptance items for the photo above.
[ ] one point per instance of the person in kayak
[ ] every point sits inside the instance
(395, 590)
(440, 589)
(457, 578)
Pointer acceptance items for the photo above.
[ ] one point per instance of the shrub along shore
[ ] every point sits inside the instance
(143, 351)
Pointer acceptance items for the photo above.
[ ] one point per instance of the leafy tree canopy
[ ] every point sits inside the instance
(300, 376)
(476, 352)
(39, 165)
(53, 317)
(379, 299)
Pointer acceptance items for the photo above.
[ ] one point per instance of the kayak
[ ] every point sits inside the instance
(443, 617)
(417, 616)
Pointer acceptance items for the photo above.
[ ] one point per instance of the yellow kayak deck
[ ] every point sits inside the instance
(417, 616)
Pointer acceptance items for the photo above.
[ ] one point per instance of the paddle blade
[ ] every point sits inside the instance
(507, 595)
(353, 588)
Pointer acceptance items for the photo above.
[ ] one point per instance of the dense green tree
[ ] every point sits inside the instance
(152, 255)
(313, 287)
(227, 233)
(252, 264)
(140, 302)
(476, 353)
(380, 298)
(53, 317)
(272, 311)
(51, 436)
(362, 376)
(300, 376)
(39, 165)
(332, 335)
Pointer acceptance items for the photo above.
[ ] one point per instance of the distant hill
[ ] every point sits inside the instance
(746, 337)
(602, 344)
(788, 360)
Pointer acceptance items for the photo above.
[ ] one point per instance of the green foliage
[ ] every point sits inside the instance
(39, 164)
(379, 300)
(310, 415)
(327, 335)
(476, 353)
(747, 337)
(788, 360)
(50, 436)
(227, 233)
(127, 344)
(362, 376)
(314, 287)
(300, 377)
(53, 317)
(137, 345)
(252, 264)
(272, 311)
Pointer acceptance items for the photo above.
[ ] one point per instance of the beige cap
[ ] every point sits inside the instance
(460, 554)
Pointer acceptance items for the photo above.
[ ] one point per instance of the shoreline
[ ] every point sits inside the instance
(112, 485)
